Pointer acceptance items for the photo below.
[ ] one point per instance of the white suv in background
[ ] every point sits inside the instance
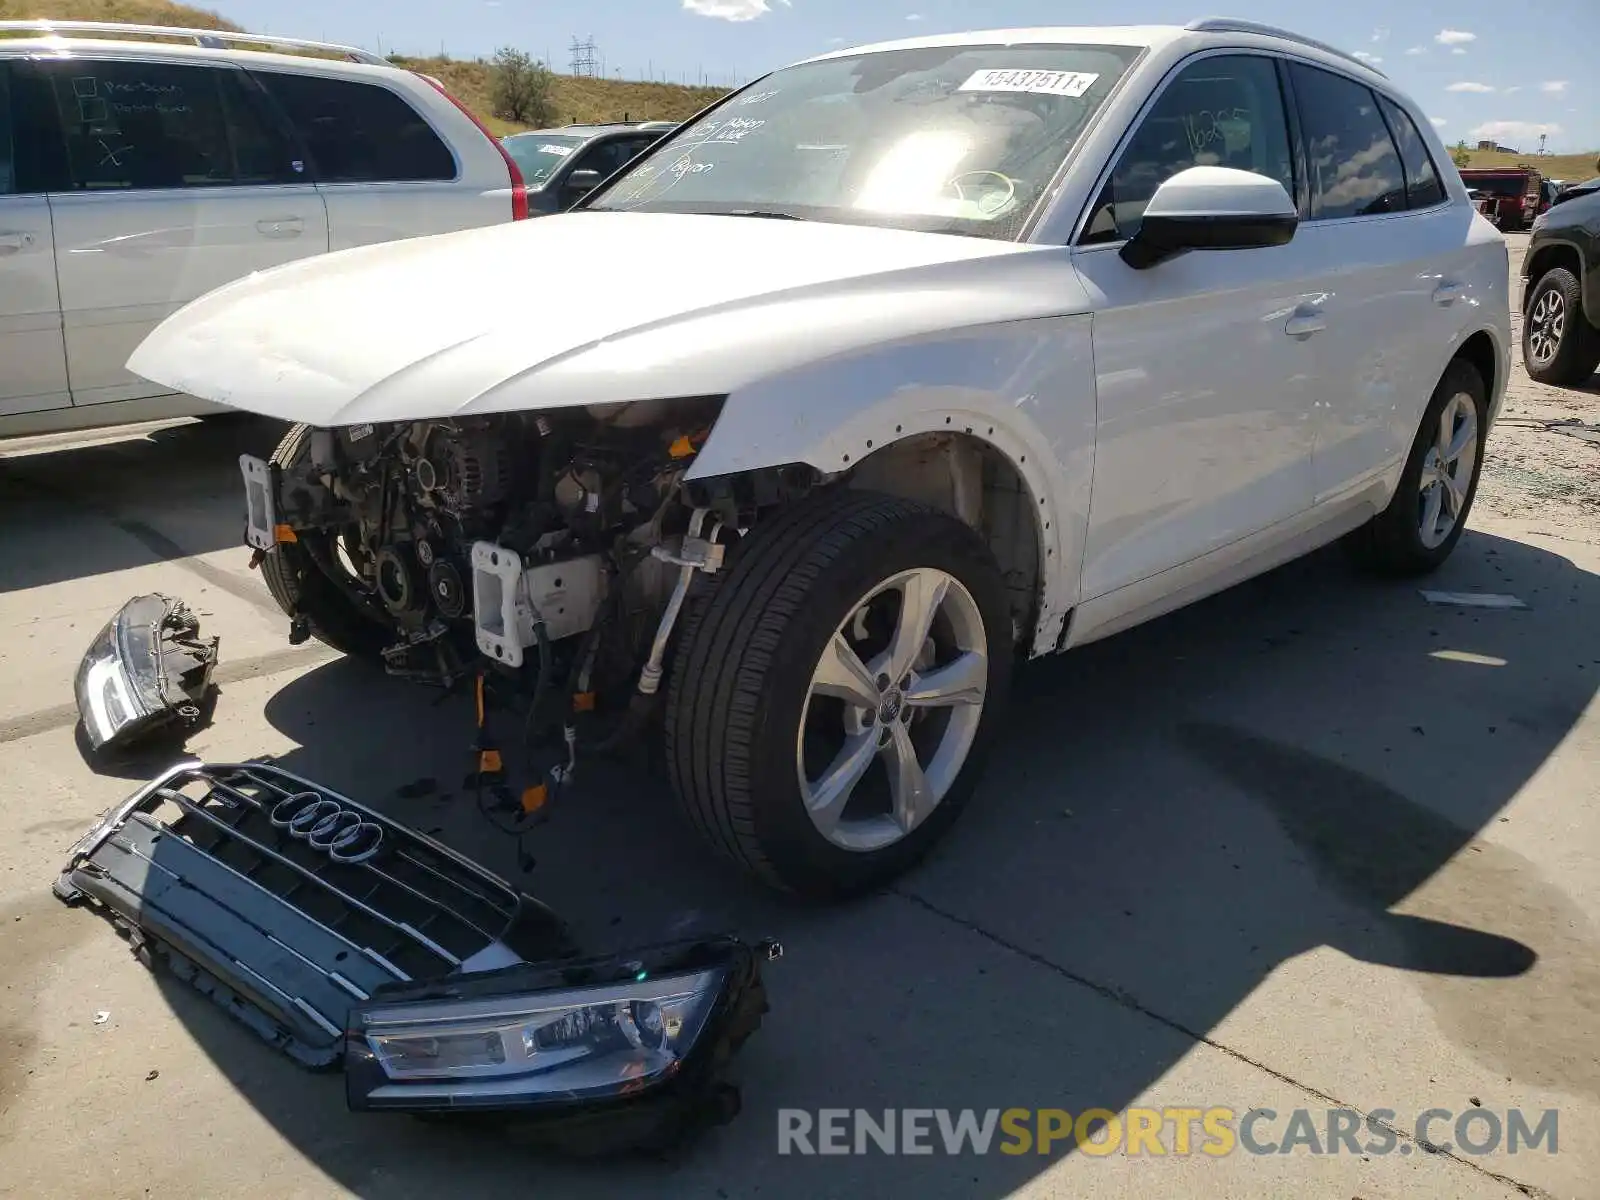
(136, 175)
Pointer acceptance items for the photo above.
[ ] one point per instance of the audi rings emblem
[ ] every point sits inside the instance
(343, 834)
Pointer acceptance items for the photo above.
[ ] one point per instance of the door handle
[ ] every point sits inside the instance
(1447, 294)
(281, 227)
(10, 243)
(1304, 323)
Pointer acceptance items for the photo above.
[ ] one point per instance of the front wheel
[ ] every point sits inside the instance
(832, 701)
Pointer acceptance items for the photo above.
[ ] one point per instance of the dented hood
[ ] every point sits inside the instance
(580, 308)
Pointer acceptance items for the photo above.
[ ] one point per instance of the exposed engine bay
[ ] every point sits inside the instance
(497, 538)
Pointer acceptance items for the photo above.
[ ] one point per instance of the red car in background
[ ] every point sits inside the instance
(1511, 197)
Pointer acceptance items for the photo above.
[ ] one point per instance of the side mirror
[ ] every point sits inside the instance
(583, 181)
(1211, 208)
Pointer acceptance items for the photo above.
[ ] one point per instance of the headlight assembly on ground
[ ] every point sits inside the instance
(564, 1045)
(146, 668)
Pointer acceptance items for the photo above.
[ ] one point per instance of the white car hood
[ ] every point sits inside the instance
(573, 309)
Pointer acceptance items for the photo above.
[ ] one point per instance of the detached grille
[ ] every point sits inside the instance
(234, 873)
(417, 906)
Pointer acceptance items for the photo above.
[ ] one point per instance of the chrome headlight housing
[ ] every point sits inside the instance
(145, 667)
(567, 1036)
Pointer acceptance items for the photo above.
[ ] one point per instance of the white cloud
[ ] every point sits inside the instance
(728, 10)
(1368, 58)
(1468, 86)
(1438, 122)
(1553, 85)
(913, 16)
(1454, 37)
(1416, 51)
(1512, 91)
(1514, 131)
(1381, 34)
(1457, 50)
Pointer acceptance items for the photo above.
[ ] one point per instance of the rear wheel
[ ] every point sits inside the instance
(833, 700)
(303, 588)
(1559, 346)
(1428, 512)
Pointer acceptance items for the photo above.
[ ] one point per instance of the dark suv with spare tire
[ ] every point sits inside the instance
(1561, 300)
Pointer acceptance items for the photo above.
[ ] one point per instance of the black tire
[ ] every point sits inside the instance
(1391, 543)
(301, 588)
(1578, 350)
(743, 665)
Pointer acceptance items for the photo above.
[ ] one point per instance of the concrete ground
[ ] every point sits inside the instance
(1311, 844)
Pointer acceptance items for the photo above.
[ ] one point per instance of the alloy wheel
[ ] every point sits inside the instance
(1447, 470)
(1546, 323)
(900, 686)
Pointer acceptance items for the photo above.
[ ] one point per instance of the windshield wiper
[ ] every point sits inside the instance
(769, 214)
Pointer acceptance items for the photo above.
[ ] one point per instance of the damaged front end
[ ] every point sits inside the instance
(339, 935)
(148, 668)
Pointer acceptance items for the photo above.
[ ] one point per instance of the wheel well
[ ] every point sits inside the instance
(974, 482)
(1547, 259)
(1479, 351)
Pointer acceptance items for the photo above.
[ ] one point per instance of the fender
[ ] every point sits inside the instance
(1026, 388)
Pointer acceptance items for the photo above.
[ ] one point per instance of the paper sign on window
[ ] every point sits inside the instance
(1038, 83)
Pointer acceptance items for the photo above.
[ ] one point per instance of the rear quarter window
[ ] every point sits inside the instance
(359, 132)
(1423, 187)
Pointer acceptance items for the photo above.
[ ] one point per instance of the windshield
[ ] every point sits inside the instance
(953, 139)
(538, 155)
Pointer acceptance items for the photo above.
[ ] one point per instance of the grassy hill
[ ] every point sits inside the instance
(576, 99)
(132, 12)
(1553, 166)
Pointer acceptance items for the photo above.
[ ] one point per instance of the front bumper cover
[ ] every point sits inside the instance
(307, 915)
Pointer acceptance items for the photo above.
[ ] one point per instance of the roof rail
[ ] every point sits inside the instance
(210, 38)
(1229, 25)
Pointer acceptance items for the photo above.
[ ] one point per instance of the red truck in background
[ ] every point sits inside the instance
(1511, 197)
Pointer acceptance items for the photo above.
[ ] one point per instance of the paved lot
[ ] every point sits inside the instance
(1314, 843)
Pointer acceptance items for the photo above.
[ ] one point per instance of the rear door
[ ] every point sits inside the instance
(1401, 275)
(383, 169)
(33, 362)
(171, 181)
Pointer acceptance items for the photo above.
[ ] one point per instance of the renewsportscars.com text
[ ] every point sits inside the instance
(1161, 1132)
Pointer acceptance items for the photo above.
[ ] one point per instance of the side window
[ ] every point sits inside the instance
(608, 156)
(39, 155)
(359, 132)
(262, 149)
(130, 124)
(1423, 188)
(1354, 166)
(1224, 111)
(8, 166)
(633, 148)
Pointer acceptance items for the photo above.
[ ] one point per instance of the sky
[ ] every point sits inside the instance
(1479, 68)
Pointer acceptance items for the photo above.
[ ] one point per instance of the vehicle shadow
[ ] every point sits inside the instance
(1307, 760)
(156, 489)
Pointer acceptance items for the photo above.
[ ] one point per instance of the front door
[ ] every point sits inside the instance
(33, 365)
(1203, 362)
(172, 180)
